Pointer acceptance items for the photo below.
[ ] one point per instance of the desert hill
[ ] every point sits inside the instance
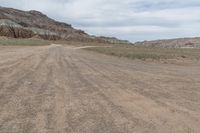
(26, 24)
(173, 43)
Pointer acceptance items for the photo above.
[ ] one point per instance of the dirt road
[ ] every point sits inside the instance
(55, 89)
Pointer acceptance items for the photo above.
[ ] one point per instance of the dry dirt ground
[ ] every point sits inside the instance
(56, 89)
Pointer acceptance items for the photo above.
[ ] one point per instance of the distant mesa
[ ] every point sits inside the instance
(34, 24)
(173, 43)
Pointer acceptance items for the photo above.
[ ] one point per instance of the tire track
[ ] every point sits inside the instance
(66, 90)
(98, 69)
(101, 96)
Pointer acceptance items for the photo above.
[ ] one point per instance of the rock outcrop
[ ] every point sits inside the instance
(114, 40)
(27, 24)
(15, 32)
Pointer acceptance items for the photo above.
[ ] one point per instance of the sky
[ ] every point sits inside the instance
(133, 20)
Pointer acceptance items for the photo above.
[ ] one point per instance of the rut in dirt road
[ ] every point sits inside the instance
(56, 89)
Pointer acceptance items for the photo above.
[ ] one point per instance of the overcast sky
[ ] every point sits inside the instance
(134, 20)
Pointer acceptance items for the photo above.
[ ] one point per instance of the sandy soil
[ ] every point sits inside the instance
(55, 89)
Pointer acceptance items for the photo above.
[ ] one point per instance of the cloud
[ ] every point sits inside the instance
(126, 19)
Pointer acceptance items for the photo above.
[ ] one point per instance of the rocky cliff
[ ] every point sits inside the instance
(26, 24)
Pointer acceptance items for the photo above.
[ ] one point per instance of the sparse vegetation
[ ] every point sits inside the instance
(23, 42)
(142, 52)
